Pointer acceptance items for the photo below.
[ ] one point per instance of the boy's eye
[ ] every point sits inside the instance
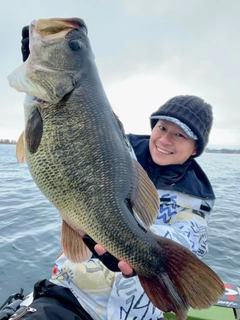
(180, 135)
(161, 128)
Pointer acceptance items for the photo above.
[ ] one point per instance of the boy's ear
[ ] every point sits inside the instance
(194, 151)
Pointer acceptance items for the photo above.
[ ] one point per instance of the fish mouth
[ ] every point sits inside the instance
(54, 26)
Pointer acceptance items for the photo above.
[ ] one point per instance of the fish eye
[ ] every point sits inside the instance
(74, 45)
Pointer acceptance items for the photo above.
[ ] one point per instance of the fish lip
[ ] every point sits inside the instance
(41, 29)
(71, 23)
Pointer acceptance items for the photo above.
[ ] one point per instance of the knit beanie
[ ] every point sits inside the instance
(191, 112)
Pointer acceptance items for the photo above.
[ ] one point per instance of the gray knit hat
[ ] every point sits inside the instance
(192, 114)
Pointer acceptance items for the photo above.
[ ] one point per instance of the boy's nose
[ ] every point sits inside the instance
(165, 138)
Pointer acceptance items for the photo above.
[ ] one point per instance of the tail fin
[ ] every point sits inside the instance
(186, 282)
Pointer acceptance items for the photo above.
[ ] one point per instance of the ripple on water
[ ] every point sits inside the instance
(30, 226)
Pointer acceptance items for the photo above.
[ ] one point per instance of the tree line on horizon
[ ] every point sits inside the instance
(207, 150)
(7, 141)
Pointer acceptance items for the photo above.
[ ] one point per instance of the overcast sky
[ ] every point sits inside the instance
(147, 51)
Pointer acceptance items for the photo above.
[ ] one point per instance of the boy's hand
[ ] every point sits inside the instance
(107, 259)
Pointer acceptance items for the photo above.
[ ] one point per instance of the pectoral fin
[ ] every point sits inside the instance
(20, 153)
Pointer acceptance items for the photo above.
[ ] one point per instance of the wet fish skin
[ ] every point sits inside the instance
(78, 157)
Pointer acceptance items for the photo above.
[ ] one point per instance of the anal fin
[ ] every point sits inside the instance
(73, 246)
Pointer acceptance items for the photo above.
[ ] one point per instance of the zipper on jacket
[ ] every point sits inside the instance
(21, 312)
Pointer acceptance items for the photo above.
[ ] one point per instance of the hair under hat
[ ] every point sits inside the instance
(191, 111)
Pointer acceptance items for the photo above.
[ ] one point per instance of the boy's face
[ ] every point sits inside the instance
(169, 144)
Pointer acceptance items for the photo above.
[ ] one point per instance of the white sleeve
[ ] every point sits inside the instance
(188, 229)
(129, 301)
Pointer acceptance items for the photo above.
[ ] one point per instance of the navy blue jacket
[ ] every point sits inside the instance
(187, 178)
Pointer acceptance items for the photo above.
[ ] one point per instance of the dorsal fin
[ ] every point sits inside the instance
(145, 200)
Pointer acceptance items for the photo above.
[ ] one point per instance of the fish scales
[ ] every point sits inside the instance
(75, 183)
(78, 156)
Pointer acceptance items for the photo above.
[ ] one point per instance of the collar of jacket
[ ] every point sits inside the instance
(187, 178)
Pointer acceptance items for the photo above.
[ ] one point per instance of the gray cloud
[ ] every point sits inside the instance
(192, 43)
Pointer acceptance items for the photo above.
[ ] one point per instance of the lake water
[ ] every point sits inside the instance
(30, 225)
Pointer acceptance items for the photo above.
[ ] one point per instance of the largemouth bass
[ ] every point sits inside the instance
(79, 157)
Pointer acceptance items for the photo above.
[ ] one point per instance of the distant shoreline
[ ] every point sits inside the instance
(6, 141)
(207, 150)
(229, 151)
